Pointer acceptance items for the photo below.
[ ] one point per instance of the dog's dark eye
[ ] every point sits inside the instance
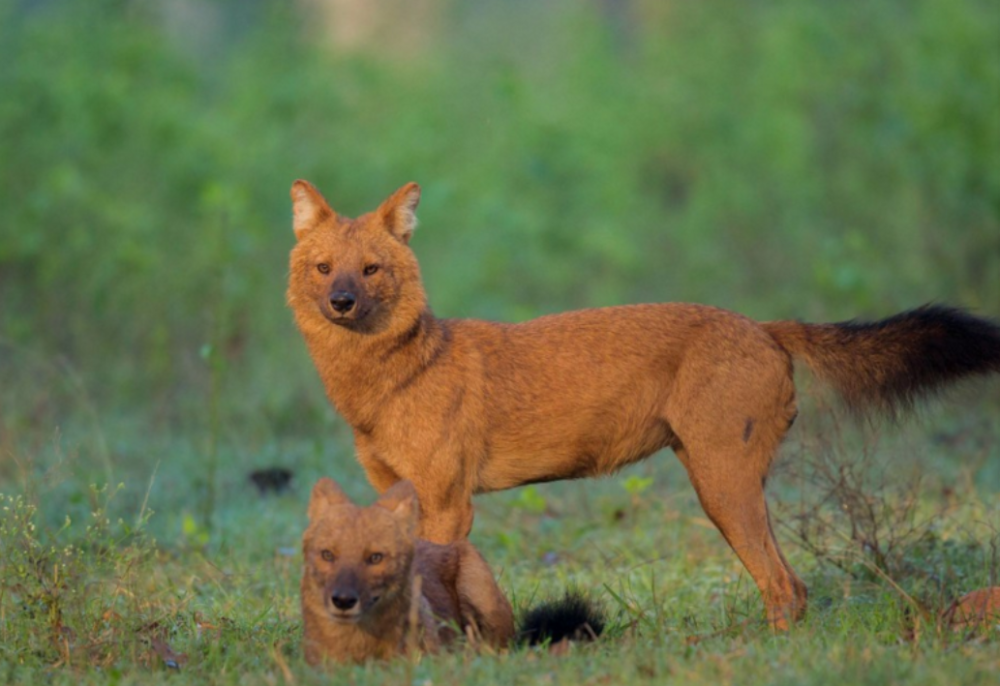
(323, 268)
(375, 558)
(327, 555)
(371, 269)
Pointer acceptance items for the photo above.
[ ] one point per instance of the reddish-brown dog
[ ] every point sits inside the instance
(372, 590)
(463, 406)
(975, 611)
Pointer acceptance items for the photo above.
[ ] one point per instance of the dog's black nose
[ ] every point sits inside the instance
(342, 301)
(344, 602)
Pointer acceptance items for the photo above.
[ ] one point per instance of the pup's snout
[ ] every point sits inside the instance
(344, 601)
(342, 301)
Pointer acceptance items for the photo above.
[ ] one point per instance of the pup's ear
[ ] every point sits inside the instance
(326, 494)
(398, 213)
(309, 208)
(401, 500)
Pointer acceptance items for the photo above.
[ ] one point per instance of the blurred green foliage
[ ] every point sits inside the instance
(786, 159)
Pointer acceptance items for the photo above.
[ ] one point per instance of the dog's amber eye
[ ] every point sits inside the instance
(371, 269)
(374, 558)
(327, 555)
(323, 268)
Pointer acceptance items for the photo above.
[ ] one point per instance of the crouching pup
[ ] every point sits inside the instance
(372, 589)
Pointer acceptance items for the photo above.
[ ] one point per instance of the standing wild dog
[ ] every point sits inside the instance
(372, 590)
(460, 406)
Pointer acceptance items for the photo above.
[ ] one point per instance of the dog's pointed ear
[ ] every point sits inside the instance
(401, 500)
(326, 494)
(399, 212)
(309, 208)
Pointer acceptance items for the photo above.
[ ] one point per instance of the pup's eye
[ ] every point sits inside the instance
(327, 555)
(323, 268)
(375, 558)
(371, 269)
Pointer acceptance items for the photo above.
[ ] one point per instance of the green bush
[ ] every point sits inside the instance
(814, 160)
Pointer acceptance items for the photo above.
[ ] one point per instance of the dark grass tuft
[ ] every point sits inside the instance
(573, 617)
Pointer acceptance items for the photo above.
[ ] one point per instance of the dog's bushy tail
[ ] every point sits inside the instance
(572, 617)
(888, 365)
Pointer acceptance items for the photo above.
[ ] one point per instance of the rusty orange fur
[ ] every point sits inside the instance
(372, 590)
(461, 406)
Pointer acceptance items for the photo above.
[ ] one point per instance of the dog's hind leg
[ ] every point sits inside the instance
(730, 419)
(733, 498)
(483, 605)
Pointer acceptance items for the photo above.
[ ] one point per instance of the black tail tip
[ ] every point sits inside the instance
(572, 617)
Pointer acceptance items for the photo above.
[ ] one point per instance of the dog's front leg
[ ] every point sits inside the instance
(444, 484)
(440, 475)
(446, 522)
(380, 474)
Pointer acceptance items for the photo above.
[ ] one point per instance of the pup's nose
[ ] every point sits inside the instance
(342, 301)
(344, 602)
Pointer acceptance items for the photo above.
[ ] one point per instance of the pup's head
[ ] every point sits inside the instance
(354, 273)
(358, 559)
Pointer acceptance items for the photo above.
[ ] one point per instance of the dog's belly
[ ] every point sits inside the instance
(524, 461)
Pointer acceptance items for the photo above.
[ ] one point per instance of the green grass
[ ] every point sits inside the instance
(223, 591)
(813, 160)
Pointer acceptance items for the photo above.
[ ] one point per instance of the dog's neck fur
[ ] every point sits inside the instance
(383, 635)
(380, 363)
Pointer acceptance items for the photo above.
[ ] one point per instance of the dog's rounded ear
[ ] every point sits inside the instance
(402, 501)
(309, 208)
(399, 212)
(326, 494)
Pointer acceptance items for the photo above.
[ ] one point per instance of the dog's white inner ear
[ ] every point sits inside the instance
(309, 208)
(326, 494)
(399, 212)
(401, 500)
